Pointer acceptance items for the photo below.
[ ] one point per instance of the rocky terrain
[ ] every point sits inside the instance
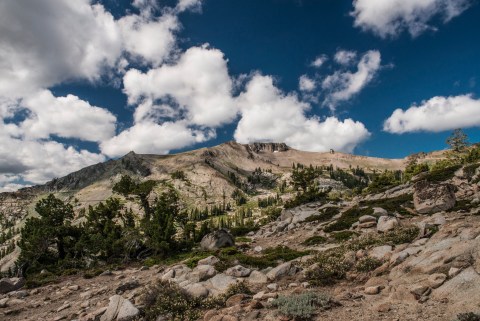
(410, 252)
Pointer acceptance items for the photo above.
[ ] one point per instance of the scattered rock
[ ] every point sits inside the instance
(197, 290)
(120, 309)
(387, 223)
(372, 290)
(272, 287)
(11, 284)
(217, 239)
(381, 252)
(283, 269)
(367, 219)
(238, 271)
(211, 260)
(257, 277)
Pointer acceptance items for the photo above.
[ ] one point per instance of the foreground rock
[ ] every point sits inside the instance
(216, 240)
(120, 309)
(11, 284)
(432, 198)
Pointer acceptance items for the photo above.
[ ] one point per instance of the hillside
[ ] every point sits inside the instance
(359, 238)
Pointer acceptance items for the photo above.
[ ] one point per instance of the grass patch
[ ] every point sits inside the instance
(343, 236)
(331, 265)
(348, 217)
(271, 256)
(314, 240)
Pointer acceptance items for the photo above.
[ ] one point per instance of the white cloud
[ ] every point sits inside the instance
(151, 138)
(305, 83)
(37, 161)
(198, 82)
(390, 18)
(268, 115)
(435, 115)
(149, 39)
(319, 61)
(183, 5)
(343, 85)
(345, 57)
(63, 40)
(68, 117)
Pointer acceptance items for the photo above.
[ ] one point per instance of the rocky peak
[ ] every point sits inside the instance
(267, 147)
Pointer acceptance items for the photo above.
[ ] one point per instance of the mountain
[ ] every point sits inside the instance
(404, 250)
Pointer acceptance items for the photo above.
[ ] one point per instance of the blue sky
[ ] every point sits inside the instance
(83, 81)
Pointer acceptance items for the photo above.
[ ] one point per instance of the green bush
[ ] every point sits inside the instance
(314, 240)
(330, 267)
(440, 173)
(169, 300)
(469, 316)
(302, 306)
(367, 264)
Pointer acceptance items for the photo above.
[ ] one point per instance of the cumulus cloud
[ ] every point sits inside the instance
(151, 138)
(198, 83)
(305, 83)
(37, 161)
(343, 85)
(319, 61)
(435, 115)
(345, 57)
(149, 40)
(390, 18)
(68, 117)
(269, 115)
(63, 40)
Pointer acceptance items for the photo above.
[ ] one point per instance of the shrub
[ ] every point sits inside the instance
(440, 173)
(367, 264)
(169, 300)
(314, 240)
(41, 279)
(302, 306)
(330, 267)
(469, 316)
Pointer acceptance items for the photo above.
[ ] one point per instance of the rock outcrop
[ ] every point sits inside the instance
(431, 198)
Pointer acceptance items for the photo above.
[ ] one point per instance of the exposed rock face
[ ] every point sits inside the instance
(12, 284)
(386, 223)
(216, 240)
(268, 147)
(129, 164)
(432, 198)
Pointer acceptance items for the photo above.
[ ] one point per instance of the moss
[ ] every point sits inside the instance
(92, 273)
(314, 240)
(348, 218)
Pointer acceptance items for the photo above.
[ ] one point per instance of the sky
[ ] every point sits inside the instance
(84, 81)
